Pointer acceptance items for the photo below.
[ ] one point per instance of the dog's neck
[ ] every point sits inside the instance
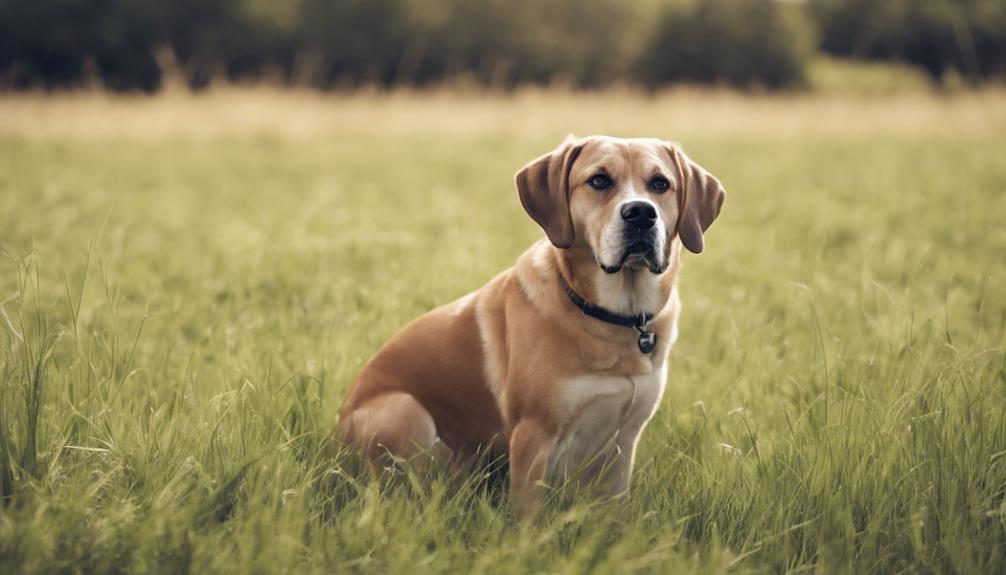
(630, 291)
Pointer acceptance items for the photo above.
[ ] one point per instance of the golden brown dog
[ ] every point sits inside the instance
(559, 361)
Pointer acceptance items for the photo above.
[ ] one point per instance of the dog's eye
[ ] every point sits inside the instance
(660, 184)
(600, 182)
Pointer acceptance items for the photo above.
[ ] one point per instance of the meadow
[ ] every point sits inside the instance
(190, 283)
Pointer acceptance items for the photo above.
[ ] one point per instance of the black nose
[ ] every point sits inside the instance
(640, 215)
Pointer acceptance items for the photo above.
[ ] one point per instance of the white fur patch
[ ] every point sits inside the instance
(493, 371)
(628, 292)
(602, 415)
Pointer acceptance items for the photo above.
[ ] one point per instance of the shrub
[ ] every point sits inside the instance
(739, 42)
(968, 36)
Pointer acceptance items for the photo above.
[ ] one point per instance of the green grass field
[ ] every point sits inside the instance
(191, 283)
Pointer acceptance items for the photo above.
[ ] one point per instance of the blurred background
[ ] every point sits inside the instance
(144, 45)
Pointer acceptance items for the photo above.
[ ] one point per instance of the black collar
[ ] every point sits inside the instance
(647, 339)
(597, 312)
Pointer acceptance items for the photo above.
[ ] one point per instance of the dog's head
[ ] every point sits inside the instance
(624, 199)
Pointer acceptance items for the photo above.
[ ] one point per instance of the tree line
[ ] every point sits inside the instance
(126, 45)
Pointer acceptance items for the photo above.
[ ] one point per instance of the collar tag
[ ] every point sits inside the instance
(647, 340)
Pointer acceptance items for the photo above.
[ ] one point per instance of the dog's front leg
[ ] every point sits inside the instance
(614, 480)
(530, 450)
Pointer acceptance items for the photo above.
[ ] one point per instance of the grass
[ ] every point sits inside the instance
(190, 284)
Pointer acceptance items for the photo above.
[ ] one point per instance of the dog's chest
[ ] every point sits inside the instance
(601, 414)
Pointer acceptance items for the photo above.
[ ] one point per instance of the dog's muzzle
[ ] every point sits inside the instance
(639, 238)
(639, 232)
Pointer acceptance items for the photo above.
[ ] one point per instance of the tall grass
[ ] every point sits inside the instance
(182, 313)
(26, 359)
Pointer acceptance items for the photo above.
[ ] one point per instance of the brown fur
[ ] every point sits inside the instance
(486, 372)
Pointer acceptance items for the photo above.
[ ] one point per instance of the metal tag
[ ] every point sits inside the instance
(647, 340)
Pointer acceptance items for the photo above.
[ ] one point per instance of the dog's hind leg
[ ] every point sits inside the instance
(392, 424)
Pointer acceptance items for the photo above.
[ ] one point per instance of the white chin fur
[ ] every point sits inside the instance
(632, 291)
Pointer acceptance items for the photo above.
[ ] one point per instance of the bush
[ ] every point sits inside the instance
(497, 43)
(744, 43)
(62, 43)
(67, 43)
(968, 36)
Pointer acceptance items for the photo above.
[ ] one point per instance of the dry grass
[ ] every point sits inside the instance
(682, 113)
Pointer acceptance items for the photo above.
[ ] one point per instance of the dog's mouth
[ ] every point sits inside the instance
(639, 247)
(638, 253)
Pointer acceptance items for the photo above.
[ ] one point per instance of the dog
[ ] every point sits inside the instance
(558, 363)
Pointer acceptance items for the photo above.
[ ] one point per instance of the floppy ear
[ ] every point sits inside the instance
(543, 186)
(703, 197)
